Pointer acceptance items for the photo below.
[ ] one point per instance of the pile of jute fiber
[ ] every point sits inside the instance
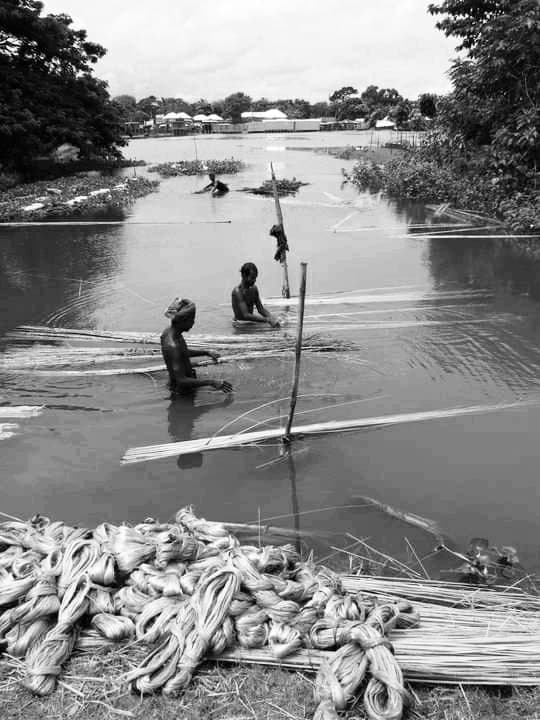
(189, 590)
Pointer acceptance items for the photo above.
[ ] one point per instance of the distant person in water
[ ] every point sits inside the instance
(246, 296)
(176, 354)
(215, 186)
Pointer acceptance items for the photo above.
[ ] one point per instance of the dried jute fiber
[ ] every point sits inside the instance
(364, 648)
(189, 590)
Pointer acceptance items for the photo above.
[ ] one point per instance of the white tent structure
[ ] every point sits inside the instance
(201, 118)
(272, 114)
(214, 118)
(385, 124)
(176, 116)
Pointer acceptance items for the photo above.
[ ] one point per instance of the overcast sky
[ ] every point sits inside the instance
(265, 48)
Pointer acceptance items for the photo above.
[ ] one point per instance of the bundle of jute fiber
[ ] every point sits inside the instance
(188, 590)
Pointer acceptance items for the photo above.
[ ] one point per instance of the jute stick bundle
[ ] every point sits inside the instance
(20, 411)
(154, 452)
(383, 297)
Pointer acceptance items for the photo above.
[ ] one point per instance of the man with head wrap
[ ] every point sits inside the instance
(176, 354)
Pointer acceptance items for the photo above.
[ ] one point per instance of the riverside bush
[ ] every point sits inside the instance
(463, 184)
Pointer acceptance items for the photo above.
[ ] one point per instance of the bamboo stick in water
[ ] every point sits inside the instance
(298, 352)
(285, 290)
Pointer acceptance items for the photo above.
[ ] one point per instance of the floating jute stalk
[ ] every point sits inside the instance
(221, 442)
(20, 411)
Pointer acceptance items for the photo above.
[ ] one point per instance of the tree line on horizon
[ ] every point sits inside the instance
(347, 103)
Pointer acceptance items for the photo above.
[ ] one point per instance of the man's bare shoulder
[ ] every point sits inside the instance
(172, 337)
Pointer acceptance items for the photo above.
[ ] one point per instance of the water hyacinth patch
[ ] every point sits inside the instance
(284, 187)
(198, 167)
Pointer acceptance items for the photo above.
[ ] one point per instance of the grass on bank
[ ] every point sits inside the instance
(91, 689)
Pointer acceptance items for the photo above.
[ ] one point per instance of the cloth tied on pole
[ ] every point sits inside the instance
(278, 232)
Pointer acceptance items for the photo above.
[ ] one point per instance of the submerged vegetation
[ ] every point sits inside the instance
(198, 167)
(485, 151)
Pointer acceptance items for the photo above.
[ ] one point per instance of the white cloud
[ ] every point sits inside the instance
(279, 49)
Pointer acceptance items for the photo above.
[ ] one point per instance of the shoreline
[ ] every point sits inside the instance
(70, 196)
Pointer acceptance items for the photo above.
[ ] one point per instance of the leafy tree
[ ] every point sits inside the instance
(400, 113)
(125, 101)
(343, 94)
(261, 105)
(496, 97)
(376, 98)
(296, 108)
(234, 105)
(341, 99)
(150, 105)
(48, 95)
(127, 107)
(427, 105)
(201, 106)
(320, 109)
(218, 108)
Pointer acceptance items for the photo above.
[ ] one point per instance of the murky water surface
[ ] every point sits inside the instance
(433, 324)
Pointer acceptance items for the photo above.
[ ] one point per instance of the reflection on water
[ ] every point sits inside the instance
(43, 270)
(182, 414)
(431, 324)
(484, 263)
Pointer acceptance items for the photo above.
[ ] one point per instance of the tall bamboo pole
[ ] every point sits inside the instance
(298, 352)
(285, 291)
(294, 497)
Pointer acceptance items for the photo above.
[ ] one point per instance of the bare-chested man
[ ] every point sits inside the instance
(246, 296)
(216, 187)
(176, 354)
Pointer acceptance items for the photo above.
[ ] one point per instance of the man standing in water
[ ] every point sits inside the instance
(216, 186)
(246, 296)
(182, 376)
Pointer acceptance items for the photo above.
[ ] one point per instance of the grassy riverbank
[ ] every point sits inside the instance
(90, 691)
(70, 196)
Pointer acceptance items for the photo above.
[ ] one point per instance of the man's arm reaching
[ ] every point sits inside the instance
(269, 318)
(241, 311)
(174, 356)
(204, 353)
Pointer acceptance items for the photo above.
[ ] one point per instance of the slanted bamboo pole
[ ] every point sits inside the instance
(285, 290)
(298, 351)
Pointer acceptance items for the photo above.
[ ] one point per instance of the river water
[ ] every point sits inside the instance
(433, 323)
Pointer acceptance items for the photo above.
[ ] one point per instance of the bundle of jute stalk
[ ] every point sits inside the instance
(188, 590)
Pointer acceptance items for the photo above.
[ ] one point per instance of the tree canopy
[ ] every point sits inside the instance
(48, 94)
(496, 97)
(234, 105)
